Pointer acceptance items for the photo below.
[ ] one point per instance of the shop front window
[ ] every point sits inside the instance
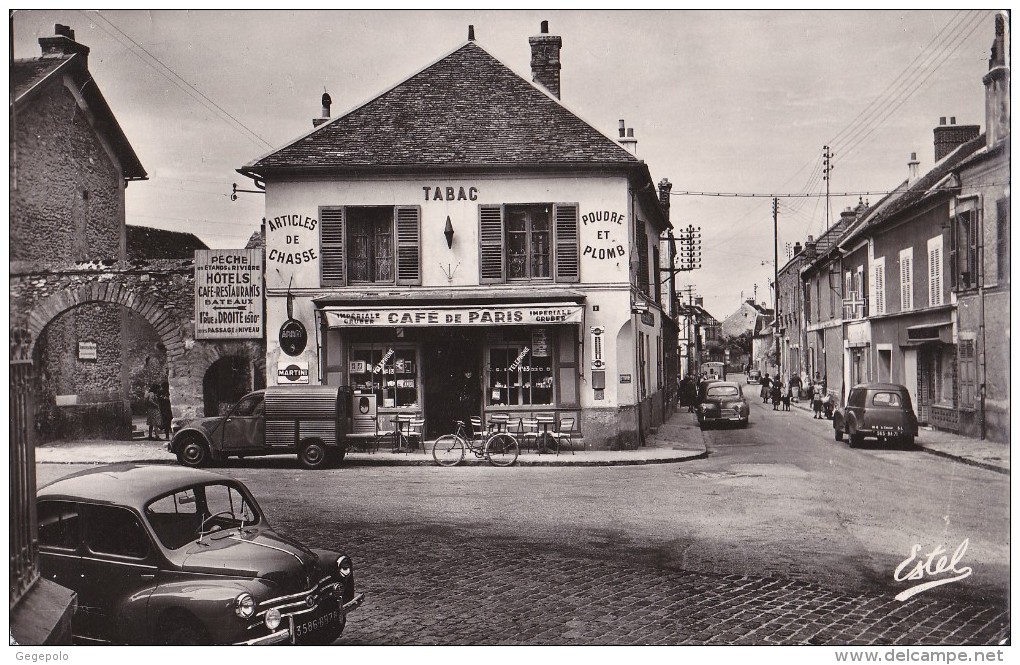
(518, 378)
(390, 372)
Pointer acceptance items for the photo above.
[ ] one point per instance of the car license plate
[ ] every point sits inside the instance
(320, 622)
(888, 428)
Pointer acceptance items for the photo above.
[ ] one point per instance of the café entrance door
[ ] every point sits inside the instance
(452, 381)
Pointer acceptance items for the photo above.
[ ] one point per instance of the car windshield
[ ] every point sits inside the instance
(189, 513)
(723, 391)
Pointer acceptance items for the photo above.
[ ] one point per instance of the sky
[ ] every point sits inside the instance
(737, 102)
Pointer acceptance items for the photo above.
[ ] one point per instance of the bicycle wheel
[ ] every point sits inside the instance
(502, 450)
(448, 450)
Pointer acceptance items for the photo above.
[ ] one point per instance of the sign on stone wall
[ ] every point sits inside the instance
(88, 351)
(228, 294)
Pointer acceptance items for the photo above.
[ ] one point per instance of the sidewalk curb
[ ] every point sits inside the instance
(428, 461)
(964, 460)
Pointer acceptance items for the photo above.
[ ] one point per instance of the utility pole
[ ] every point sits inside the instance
(691, 328)
(775, 282)
(826, 171)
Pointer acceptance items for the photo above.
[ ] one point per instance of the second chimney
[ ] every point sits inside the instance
(949, 137)
(326, 103)
(545, 59)
(913, 168)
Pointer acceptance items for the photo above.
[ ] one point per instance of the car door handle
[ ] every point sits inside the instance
(148, 576)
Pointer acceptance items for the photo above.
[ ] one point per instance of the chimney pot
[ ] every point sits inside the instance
(471, 33)
(545, 28)
(630, 132)
(942, 119)
(952, 120)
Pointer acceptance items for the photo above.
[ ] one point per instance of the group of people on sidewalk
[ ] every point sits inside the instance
(158, 414)
(772, 389)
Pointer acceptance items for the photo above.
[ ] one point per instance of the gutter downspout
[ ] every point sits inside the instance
(981, 328)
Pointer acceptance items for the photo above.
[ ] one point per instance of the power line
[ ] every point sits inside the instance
(758, 195)
(176, 79)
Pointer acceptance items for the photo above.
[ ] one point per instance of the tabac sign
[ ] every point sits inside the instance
(514, 315)
(228, 294)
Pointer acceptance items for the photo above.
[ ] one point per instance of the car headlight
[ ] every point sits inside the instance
(273, 619)
(244, 605)
(344, 566)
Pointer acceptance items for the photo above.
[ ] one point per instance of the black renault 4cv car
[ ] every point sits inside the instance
(172, 555)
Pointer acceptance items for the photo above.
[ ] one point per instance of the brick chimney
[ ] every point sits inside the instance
(949, 137)
(62, 44)
(326, 103)
(545, 59)
(664, 188)
(797, 248)
(997, 87)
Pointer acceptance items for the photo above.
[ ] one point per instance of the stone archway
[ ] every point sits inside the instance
(149, 308)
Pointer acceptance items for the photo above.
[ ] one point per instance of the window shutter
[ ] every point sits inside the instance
(492, 257)
(568, 267)
(935, 271)
(906, 283)
(331, 245)
(879, 286)
(642, 249)
(408, 245)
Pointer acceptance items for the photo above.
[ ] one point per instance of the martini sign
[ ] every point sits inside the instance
(228, 294)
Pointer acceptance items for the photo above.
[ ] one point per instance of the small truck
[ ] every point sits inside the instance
(312, 421)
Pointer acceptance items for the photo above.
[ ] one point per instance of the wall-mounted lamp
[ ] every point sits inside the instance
(448, 232)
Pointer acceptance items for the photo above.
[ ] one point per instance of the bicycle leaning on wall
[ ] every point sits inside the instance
(499, 448)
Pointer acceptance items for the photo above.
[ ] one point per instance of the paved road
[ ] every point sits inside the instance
(781, 536)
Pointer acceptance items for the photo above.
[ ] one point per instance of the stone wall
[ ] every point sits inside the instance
(68, 202)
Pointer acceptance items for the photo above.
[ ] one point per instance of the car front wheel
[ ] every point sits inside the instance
(855, 440)
(193, 452)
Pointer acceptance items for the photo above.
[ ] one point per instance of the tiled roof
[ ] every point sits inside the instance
(467, 109)
(27, 73)
(144, 242)
(930, 184)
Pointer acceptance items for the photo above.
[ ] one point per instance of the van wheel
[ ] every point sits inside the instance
(856, 440)
(193, 452)
(313, 455)
(837, 431)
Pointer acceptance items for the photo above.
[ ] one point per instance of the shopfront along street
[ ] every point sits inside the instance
(717, 441)
(780, 536)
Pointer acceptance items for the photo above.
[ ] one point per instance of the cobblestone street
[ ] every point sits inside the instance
(442, 588)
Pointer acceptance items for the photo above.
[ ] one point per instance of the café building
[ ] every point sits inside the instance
(463, 244)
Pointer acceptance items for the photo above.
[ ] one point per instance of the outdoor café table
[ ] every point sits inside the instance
(545, 439)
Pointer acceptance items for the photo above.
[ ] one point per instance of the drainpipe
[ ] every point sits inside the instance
(981, 328)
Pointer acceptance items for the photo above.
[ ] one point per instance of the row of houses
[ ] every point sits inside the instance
(914, 289)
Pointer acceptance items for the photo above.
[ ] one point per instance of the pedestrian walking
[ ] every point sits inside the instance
(765, 381)
(166, 414)
(787, 396)
(776, 393)
(689, 393)
(153, 417)
(817, 392)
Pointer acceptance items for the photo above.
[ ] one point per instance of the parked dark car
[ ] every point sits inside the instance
(754, 376)
(171, 555)
(723, 402)
(878, 410)
(312, 421)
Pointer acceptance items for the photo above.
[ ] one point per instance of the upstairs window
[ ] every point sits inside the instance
(526, 242)
(964, 245)
(370, 245)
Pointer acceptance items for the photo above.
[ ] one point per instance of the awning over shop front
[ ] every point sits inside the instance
(927, 334)
(516, 314)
